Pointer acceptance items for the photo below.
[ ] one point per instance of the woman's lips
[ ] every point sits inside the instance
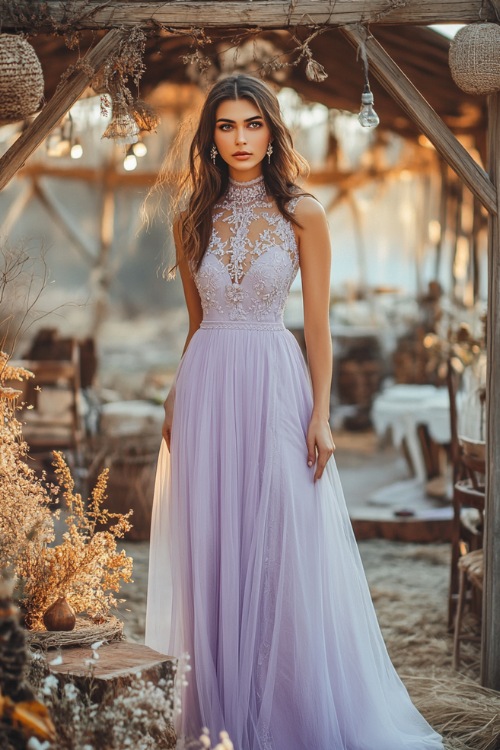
(242, 157)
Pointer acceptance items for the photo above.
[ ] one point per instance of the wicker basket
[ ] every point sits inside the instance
(475, 58)
(21, 79)
(85, 632)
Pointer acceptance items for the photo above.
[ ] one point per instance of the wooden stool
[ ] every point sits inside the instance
(471, 570)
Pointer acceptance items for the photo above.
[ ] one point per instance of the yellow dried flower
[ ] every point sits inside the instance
(11, 372)
(86, 566)
(9, 393)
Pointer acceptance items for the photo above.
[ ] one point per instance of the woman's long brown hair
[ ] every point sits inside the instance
(208, 181)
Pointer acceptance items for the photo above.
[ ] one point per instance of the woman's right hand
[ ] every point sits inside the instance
(169, 414)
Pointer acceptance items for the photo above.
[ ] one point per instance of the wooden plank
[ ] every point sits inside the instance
(383, 67)
(52, 113)
(490, 667)
(267, 14)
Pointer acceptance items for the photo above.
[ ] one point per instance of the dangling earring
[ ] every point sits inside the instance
(213, 153)
(269, 152)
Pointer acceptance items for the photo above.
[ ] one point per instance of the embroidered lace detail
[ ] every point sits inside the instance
(246, 192)
(207, 286)
(252, 257)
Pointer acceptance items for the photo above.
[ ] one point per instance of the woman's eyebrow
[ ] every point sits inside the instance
(248, 119)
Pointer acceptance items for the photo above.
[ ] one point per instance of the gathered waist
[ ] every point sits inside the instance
(257, 325)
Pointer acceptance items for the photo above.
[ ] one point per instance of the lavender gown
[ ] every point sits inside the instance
(254, 569)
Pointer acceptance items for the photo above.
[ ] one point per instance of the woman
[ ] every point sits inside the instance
(269, 596)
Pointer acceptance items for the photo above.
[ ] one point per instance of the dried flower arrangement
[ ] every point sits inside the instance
(24, 501)
(86, 568)
(459, 347)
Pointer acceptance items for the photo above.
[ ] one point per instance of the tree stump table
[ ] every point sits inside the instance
(116, 667)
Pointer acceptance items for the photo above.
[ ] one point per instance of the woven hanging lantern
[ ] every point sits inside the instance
(475, 58)
(21, 79)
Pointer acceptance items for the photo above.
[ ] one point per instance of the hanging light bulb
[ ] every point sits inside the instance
(140, 149)
(130, 161)
(367, 117)
(76, 150)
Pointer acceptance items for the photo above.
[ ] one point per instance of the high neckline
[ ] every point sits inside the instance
(244, 192)
(243, 183)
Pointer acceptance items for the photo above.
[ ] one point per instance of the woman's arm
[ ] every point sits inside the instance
(315, 263)
(195, 312)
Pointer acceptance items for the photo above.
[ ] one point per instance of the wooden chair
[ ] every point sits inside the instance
(468, 492)
(51, 417)
(471, 576)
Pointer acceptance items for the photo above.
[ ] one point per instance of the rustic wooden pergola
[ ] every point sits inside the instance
(356, 20)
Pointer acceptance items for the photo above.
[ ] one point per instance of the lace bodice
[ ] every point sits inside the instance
(252, 257)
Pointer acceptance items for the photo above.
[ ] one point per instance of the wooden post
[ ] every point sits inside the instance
(490, 667)
(411, 101)
(60, 103)
(100, 276)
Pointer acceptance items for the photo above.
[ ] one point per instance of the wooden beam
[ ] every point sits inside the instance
(108, 176)
(266, 14)
(57, 107)
(383, 67)
(104, 175)
(490, 667)
(16, 209)
(54, 211)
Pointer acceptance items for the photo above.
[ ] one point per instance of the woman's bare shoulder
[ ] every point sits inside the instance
(308, 208)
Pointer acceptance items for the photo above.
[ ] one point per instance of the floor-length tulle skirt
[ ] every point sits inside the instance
(254, 569)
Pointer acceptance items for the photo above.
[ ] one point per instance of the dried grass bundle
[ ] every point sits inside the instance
(145, 116)
(468, 714)
(411, 603)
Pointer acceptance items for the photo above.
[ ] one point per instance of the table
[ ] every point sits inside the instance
(403, 407)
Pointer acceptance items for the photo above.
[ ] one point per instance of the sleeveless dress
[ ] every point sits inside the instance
(254, 568)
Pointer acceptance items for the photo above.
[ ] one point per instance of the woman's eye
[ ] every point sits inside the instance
(257, 124)
(225, 126)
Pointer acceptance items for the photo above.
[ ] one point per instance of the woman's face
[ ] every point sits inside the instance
(242, 137)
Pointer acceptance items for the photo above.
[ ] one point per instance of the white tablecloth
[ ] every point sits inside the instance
(403, 407)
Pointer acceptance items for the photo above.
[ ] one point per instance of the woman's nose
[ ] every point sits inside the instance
(240, 136)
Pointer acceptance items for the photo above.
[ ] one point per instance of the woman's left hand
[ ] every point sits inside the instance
(320, 445)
